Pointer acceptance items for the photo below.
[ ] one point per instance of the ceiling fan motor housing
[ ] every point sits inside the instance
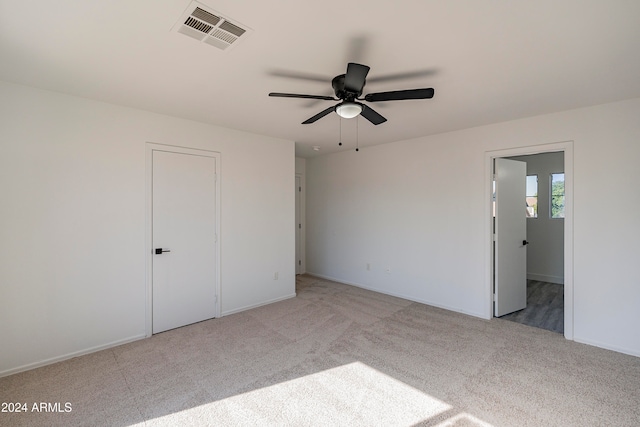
(338, 87)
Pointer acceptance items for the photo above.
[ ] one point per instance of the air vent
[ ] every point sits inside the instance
(198, 25)
(224, 36)
(206, 16)
(233, 29)
(210, 27)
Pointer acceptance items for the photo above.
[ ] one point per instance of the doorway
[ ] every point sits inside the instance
(543, 288)
(182, 237)
(567, 247)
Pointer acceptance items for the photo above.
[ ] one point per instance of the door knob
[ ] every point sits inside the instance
(159, 251)
(524, 243)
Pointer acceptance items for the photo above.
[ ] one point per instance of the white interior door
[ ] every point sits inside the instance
(510, 237)
(184, 239)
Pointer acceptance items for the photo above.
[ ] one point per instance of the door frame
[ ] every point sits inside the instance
(150, 147)
(567, 148)
(303, 236)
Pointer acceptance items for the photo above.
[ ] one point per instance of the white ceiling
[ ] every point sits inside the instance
(488, 60)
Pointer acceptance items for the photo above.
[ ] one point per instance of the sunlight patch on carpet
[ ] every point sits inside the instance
(351, 394)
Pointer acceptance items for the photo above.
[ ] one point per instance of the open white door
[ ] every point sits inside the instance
(510, 237)
(184, 239)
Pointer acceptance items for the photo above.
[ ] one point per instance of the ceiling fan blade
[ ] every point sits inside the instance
(402, 76)
(299, 76)
(371, 115)
(355, 77)
(399, 95)
(320, 115)
(295, 95)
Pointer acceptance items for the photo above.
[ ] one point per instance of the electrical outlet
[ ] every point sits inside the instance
(275, 275)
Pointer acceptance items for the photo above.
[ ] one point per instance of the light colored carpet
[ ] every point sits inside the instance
(338, 355)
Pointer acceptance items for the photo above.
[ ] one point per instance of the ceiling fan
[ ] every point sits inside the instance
(348, 89)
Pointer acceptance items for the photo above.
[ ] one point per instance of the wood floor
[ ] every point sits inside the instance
(545, 307)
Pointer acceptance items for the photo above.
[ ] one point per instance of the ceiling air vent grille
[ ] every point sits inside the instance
(233, 29)
(210, 27)
(206, 16)
(198, 25)
(224, 36)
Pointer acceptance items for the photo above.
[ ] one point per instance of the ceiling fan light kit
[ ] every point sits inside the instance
(348, 88)
(348, 110)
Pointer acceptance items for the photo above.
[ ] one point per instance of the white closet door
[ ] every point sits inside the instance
(184, 239)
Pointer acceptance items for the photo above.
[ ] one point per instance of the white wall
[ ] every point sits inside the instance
(545, 255)
(301, 165)
(418, 207)
(72, 221)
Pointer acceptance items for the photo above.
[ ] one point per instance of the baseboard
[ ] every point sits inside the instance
(69, 356)
(617, 349)
(546, 278)
(249, 307)
(399, 295)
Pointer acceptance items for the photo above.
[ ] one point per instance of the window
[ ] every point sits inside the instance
(557, 195)
(532, 196)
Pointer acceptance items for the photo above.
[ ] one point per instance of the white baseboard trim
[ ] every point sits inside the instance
(546, 278)
(68, 356)
(249, 307)
(421, 301)
(399, 295)
(617, 349)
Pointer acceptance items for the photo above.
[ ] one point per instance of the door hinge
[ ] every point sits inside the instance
(494, 298)
(299, 225)
(300, 189)
(299, 262)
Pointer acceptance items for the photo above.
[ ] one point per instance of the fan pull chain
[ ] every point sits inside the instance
(340, 126)
(357, 133)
